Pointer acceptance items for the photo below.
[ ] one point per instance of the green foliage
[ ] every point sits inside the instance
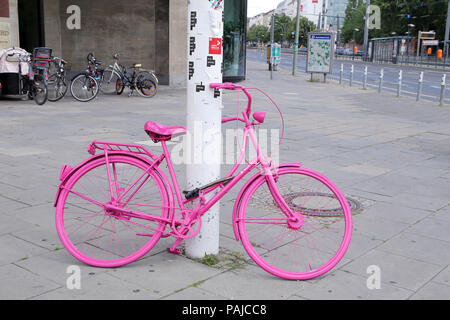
(209, 260)
(258, 33)
(426, 15)
(284, 30)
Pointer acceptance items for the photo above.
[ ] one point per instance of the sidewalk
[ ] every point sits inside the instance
(391, 154)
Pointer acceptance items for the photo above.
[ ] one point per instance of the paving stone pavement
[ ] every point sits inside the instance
(391, 154)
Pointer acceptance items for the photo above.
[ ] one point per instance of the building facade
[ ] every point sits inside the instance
(151, 32)
(336, 13)
(310, 9)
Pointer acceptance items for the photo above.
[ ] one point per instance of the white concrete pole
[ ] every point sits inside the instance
(204, 114)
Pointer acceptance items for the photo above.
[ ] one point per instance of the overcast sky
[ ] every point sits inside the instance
(259, 6)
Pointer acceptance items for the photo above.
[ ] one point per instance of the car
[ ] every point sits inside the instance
(348, 52)
(340, 51)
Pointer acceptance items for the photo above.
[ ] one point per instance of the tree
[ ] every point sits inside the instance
(282, 27)
(354, 19)
(306, 26)
(258, 33)
(285, 28)
(425, 15)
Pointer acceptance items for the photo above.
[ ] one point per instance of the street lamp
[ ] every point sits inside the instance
(339, 37)
(283, 28)
(354, 38)
(409, 37)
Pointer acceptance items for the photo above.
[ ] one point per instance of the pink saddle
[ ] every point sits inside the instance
(159, 132)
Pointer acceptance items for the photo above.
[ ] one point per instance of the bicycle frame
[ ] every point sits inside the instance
(266, 169)
(120, 73)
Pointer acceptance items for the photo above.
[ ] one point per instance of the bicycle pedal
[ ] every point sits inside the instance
(174, 251)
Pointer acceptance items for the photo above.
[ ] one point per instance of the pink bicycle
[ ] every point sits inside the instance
(114, 207)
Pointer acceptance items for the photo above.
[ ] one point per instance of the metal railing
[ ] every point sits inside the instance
(419, 84)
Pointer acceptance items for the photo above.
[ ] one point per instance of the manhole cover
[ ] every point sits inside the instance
(319, 204)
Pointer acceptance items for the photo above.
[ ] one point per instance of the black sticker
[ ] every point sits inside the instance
(192, 45)
(193, 19)
(200, 87)
(191, 69)
(216, 93)
(210, 61)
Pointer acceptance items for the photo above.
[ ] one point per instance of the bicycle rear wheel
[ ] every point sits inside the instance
(84, 88)
(145, 85)
(103, 237)
(39, 90)
(301, 248)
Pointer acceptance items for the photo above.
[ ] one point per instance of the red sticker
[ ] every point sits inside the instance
(215, 46)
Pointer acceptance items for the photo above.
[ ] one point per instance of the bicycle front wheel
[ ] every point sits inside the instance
(302, 248)
(84, 88)
(100, 236)
(39, 91)
(109, 81)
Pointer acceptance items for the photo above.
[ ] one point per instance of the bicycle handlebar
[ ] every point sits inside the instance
(225, 85)
(232, 86)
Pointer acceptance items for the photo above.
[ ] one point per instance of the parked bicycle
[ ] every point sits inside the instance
(57, 84)
(85, 86)
(115, 79)
(40, 64)
(114, 207)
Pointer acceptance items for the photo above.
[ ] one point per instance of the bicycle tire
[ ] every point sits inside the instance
(108, 81)
(39, 91)
(145, 85)
(295, 250)
(109, 239)
(60, 83)
(89, 86)
(119, 86)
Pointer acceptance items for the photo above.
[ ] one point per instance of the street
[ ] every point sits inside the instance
(431, 83)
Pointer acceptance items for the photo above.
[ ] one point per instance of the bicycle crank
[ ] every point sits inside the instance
(184, 228)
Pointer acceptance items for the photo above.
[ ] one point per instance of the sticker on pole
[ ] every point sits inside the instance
(216, 4)
(215, 46)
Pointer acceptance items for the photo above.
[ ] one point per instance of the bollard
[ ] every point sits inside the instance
(204, 115)
(399, 86)
(380, 86)
(419, 88)
(365, 78)
(352, 70)
(341, 73)
(443, 90)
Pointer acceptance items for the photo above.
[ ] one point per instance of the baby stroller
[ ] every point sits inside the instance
(23, 75)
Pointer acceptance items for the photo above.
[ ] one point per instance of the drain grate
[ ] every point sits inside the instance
(298, 201)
